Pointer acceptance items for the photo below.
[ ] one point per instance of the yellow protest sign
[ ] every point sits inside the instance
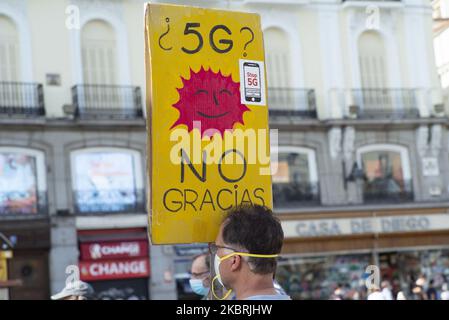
(207, 119)
(3, 269)
(6, 254)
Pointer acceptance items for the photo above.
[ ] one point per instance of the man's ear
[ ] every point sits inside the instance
(236, 263)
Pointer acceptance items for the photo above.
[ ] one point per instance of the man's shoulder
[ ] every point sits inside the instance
(269, 297)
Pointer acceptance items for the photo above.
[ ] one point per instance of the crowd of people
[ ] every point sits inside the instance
(421, 289)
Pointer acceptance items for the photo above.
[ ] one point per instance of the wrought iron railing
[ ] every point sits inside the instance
(107, 102)
(290, 102)
(287, 195)
(21, 100)
(387, 190)
(104, 201)
(373, 0)
(23, 203)
(385, 103)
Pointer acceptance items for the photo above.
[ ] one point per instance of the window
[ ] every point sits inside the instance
(295, 178)
(107, 180)
(9, 50)
(22, 182)
(372, 60)
(98, 48)
(387, 173)
(278, 58)
(281, 96)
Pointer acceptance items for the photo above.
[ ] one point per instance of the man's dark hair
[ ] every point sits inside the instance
(257, 230)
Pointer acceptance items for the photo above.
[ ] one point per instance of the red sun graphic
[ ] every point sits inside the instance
(209, 101)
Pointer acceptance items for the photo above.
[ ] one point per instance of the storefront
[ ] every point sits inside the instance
(184, 255)
(115, 263)
(28, 269)
(324, 252)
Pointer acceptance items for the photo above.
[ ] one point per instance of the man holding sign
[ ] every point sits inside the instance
(207, 119)
(248, 243)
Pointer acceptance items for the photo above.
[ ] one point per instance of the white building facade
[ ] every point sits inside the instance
(353, 90)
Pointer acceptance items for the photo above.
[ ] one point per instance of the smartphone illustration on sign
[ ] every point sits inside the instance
(253, 92)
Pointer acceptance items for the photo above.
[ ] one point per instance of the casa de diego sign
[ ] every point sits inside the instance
(365, 225)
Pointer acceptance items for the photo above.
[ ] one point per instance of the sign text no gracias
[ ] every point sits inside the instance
(208, 123)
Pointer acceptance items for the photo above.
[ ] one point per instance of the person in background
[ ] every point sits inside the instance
(418, 291)
(445, 292)
(431, 291)
(248, 242)
(278, 288)
(375, 294)
(401, 296)
(200, 275)
(77, 290)
(386, 290)
(338, 293)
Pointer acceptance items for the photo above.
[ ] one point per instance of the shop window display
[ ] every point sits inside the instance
(20, 192)
(384, 177)
(105, 182)
(292, 183)
(403, 269)
(320, 277)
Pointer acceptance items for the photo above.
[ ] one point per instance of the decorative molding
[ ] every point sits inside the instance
(332, 57)
(334, 137)
(348, 143)
(416, 40)
(435, 140)
(112, 8)
(422, 138)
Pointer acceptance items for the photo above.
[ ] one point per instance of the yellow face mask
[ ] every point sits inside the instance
(217, 262)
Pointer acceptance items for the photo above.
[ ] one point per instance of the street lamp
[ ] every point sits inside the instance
(6, 243)
(355, 174)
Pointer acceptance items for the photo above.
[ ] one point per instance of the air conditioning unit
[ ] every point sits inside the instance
(353, 111)
(69, 110)
(438, 109)
(435, 191)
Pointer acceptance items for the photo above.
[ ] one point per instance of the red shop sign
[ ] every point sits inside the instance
(114, 269)
(113, 250)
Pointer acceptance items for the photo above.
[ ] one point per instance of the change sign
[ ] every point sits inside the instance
(207, 119)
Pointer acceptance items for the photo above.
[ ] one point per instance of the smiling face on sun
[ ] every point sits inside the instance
(210, 99)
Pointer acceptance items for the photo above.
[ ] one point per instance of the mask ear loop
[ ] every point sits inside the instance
(213, 290)
(239, 254)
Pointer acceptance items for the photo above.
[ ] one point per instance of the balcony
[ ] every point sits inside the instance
(107, 102)
(109, 201)
(371, 0)
(387, 190)
(382, 103)
(23, 203)
(292, 195)
(19, 100)
(362, 3)
(291, 104)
